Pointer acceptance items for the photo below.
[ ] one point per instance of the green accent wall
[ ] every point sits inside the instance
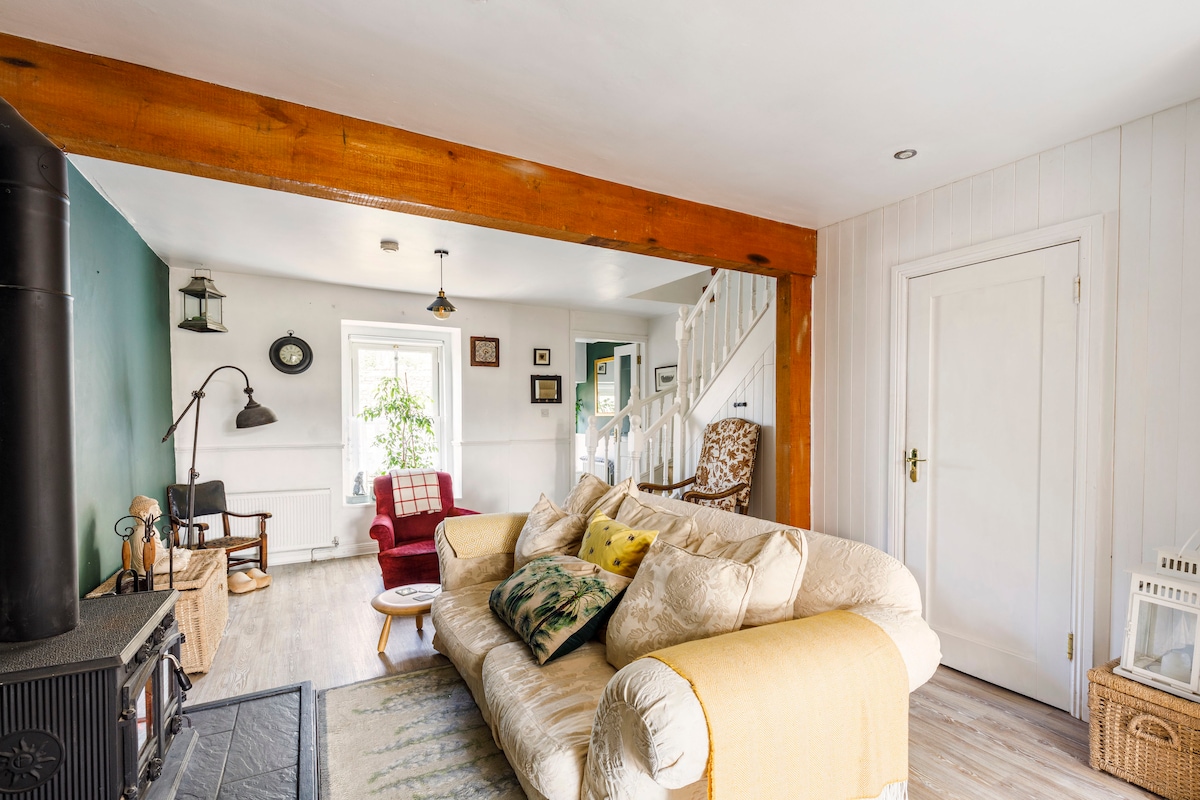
(122, 332)
(585, 393)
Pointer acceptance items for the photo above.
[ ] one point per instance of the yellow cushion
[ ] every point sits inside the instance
(615, 546)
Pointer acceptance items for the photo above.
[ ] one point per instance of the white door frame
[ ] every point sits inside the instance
(1095, 357)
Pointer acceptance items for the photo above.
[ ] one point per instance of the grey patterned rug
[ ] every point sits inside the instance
(417, 736)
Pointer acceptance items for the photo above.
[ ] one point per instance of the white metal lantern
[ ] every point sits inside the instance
(1164, 618)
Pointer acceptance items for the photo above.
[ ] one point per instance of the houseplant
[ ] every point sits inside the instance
(407, 438)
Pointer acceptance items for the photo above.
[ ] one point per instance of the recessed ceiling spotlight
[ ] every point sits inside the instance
(389, 246)
(904, 155)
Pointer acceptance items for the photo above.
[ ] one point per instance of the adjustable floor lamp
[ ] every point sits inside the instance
(251, 416)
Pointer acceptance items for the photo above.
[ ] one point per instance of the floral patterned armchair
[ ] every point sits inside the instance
(725, 469)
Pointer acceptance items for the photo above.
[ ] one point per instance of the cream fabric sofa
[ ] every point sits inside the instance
(578, 728)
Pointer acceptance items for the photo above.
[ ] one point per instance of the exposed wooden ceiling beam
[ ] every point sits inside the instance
(119, 111)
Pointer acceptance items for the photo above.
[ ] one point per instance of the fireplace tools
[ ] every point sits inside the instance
(128, 579)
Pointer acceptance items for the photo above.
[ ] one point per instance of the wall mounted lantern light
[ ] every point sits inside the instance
(202, 305)
(441, 307)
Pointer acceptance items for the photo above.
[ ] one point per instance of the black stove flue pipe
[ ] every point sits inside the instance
(39, 582)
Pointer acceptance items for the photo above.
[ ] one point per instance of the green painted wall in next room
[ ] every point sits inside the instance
(122, 335)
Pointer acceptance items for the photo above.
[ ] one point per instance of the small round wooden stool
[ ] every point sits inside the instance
(404, 601)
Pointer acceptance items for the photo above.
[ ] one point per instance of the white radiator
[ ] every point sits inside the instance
(300, 520)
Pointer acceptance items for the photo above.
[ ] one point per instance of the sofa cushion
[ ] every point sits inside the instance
(543, 715)
(611, 500)
(677, 529)
(556, 603)
(615, 546)
(412, 549)
(585, 494)
(677, 597)
(548, 530)
(466, 630)
(778, 559)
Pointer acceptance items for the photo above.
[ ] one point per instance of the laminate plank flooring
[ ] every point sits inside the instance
(968, 740)
(313, 623)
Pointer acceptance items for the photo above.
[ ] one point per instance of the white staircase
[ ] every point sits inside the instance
(710, 336)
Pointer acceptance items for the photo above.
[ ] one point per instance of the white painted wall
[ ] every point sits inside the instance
(1144, 178)
(510, 453)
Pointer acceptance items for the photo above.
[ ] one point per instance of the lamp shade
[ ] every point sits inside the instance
(441, 307)
(254, 415)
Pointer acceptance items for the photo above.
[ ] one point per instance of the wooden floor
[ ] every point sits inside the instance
(969, 740)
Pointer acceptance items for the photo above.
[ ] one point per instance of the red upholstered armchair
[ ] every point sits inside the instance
(406, 550)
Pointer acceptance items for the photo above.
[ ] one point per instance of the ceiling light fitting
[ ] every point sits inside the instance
(441, 307)
(389, 246)
(904, 155)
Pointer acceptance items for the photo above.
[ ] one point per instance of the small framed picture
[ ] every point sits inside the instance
(664, 377)
(602, 366)
(541, 357)
(545, 388)
(485, 351)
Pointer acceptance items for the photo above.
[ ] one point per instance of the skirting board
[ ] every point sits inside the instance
(323, 553)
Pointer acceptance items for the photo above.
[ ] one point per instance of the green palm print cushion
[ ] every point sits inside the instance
(556, 603)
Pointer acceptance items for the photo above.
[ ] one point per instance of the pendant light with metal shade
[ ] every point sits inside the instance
(441, 307)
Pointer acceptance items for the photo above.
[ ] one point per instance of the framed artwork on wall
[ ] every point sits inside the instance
(541, 357)
(545, 388)
(664, 377)
(485, 351)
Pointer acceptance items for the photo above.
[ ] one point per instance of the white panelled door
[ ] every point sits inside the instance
(990, 406)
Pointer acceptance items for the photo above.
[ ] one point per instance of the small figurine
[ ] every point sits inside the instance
(359, 489)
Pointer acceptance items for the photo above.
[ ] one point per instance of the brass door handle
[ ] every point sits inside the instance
(912, 461)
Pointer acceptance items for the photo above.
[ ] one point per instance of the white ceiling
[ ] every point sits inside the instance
(784, 109)
(780, 108)
(189, 221)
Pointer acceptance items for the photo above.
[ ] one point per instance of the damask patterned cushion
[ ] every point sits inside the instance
(677, 597)
(677, 529)
(615, 546)
(778, 559)
(727, 457)
(555, 603)
(548, 531)
(585, 494)
(612, 499)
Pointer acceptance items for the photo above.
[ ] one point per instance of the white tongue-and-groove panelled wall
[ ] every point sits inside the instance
(506, 455)
(1144, 179)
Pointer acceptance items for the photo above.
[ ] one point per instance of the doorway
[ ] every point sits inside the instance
(991, 349)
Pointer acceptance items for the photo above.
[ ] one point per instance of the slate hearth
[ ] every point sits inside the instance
(254, 747)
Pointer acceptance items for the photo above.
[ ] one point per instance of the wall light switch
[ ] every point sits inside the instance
(545, 412)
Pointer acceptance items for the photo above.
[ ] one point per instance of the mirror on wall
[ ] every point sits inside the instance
(604, 378)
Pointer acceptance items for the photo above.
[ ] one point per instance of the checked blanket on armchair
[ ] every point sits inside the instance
(415, 491)
(812, 709)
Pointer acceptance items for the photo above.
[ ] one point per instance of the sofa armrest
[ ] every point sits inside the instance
(384, 532)
(650, 731)
(490, 557)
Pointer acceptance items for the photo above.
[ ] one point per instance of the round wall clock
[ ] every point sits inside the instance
(290, 354)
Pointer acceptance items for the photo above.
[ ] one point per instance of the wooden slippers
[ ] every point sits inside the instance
(240, 583)
(261, 579)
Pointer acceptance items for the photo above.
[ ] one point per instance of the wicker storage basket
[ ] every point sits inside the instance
(202, 609)
(1147, 737)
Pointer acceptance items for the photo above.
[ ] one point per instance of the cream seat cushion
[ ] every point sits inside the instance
(677, 597)
(466, 630)
(544, 714)
(677, 529)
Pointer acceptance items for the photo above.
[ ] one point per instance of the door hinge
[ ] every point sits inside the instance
(1078, 288)
(1070, 647)
(640, 358)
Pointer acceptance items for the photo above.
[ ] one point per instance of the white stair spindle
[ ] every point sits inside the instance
(726, 303)
(591, 440)
(741, 282)
(683, 339)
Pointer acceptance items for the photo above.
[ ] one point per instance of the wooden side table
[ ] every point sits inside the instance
(413, 600)
(203, 607)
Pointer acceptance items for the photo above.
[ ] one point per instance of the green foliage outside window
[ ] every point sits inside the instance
(408, 439)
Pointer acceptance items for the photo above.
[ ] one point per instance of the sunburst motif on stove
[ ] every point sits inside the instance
(27, 760)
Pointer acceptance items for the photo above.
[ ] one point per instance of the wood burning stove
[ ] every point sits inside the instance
(93, 714)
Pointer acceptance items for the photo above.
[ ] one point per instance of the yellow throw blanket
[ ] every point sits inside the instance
(478, 535)
(812, 709)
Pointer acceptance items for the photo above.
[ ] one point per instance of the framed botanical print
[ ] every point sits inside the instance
(485, 351)
(545, 388)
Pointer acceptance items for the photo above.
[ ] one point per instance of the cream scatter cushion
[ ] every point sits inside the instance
(677, 597)
(677, 529)
(585, 494)
(611, 500)
(548, 531)
(778, 559)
